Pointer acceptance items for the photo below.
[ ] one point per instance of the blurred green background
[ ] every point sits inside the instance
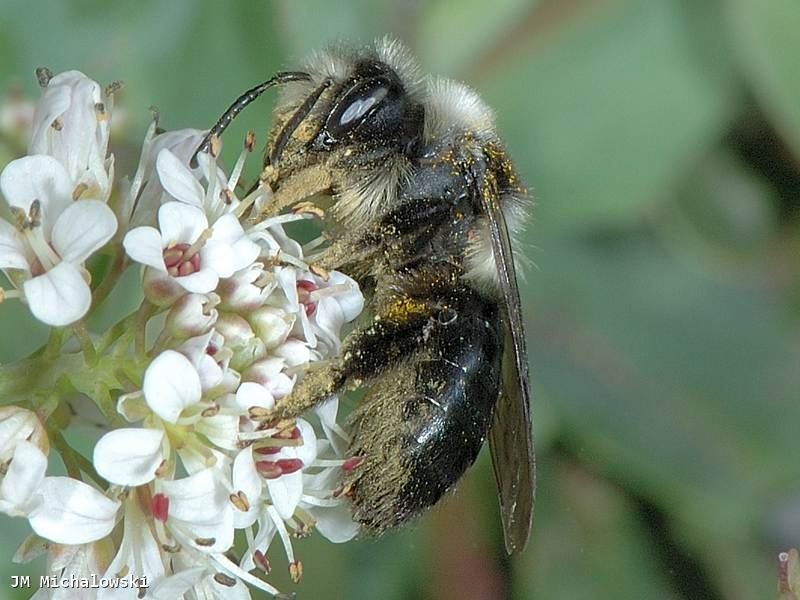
(661, 140)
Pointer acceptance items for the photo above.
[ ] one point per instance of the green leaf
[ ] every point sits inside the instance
(452, 33)
(767, 43)
(588, 543)
(674, 383)
(604, 115)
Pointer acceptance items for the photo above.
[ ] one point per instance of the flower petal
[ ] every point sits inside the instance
(41, 178)
(83, 227)
(60, 296)
(200, 502)
(144, 245)
(335, 522)
(253, 394)
(180, 223)
(285, 493)
(177, 180)
(12, 249)
(72, 512)
(202, 282)
(247, 480)
(129, 456)
(25, 474)
(170, 385)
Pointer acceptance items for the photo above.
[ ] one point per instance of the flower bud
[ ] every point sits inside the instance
(235, 329)
(247, 290)
(18, 424)
(294, 352)
(269, 373)
(160, 288)
(272, 325)
(193, 315)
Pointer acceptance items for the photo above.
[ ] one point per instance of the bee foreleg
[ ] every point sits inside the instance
(394, 333)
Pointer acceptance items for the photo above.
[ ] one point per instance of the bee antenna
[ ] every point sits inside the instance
(241, 102)
(295, 120)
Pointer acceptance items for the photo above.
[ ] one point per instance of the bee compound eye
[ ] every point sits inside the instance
(356, 105)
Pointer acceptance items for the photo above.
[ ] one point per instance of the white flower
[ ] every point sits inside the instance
(61, 509)
(71, 124)
(54, 235)
(186, 250)
(17, 425)
(176, 418)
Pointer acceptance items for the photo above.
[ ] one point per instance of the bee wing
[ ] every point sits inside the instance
(511, 435)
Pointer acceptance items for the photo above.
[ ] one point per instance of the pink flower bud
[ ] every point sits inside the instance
(247, 290)
(193, 315)
(235, 329)
(160, 288)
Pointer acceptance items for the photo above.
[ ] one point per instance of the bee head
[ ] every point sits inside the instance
(371, 108)
(365, 100)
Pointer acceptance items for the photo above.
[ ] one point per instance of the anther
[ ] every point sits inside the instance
(308, 208)
(240, 501)
(159, 507)
(205, 542)
(296, 571)
(43, 76)
(57, 124)
(250, 140)
(352, 463)
(79, 190)
(319, 271)
(100, 111)
(211, 411)
(261, 561)
(215, 146)
(223, 579)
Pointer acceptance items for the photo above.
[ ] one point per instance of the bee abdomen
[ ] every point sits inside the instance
(422, 426)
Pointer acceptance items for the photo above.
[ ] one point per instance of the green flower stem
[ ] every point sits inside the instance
(112, 277)
(87, 346)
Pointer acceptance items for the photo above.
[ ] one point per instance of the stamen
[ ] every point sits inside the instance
(240, 501)
(282, 533)
(159, 507)
(237, 571)
(225, 580)
(6, 294)
(43, 76)
(314, 244)
(261, 561)
(305, 289)
(279, 220)
(319, 271)
(352, 463)
(205, 542)
(331, 290)
(308, 208)
(249, 142)
(314, 501)
(79, 190)
(198, 244)
(296, 571)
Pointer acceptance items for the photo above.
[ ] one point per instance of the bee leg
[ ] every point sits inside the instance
(395, 332)
(296, 187)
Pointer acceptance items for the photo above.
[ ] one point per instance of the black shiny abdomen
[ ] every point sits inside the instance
(420, 432)
(458, 386)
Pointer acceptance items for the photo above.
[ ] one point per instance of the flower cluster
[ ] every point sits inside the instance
(232, 315)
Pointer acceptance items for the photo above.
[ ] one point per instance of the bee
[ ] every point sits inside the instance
(422, 208)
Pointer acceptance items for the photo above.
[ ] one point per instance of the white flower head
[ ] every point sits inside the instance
(52, 238)
(185, 249)
(71, 123)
